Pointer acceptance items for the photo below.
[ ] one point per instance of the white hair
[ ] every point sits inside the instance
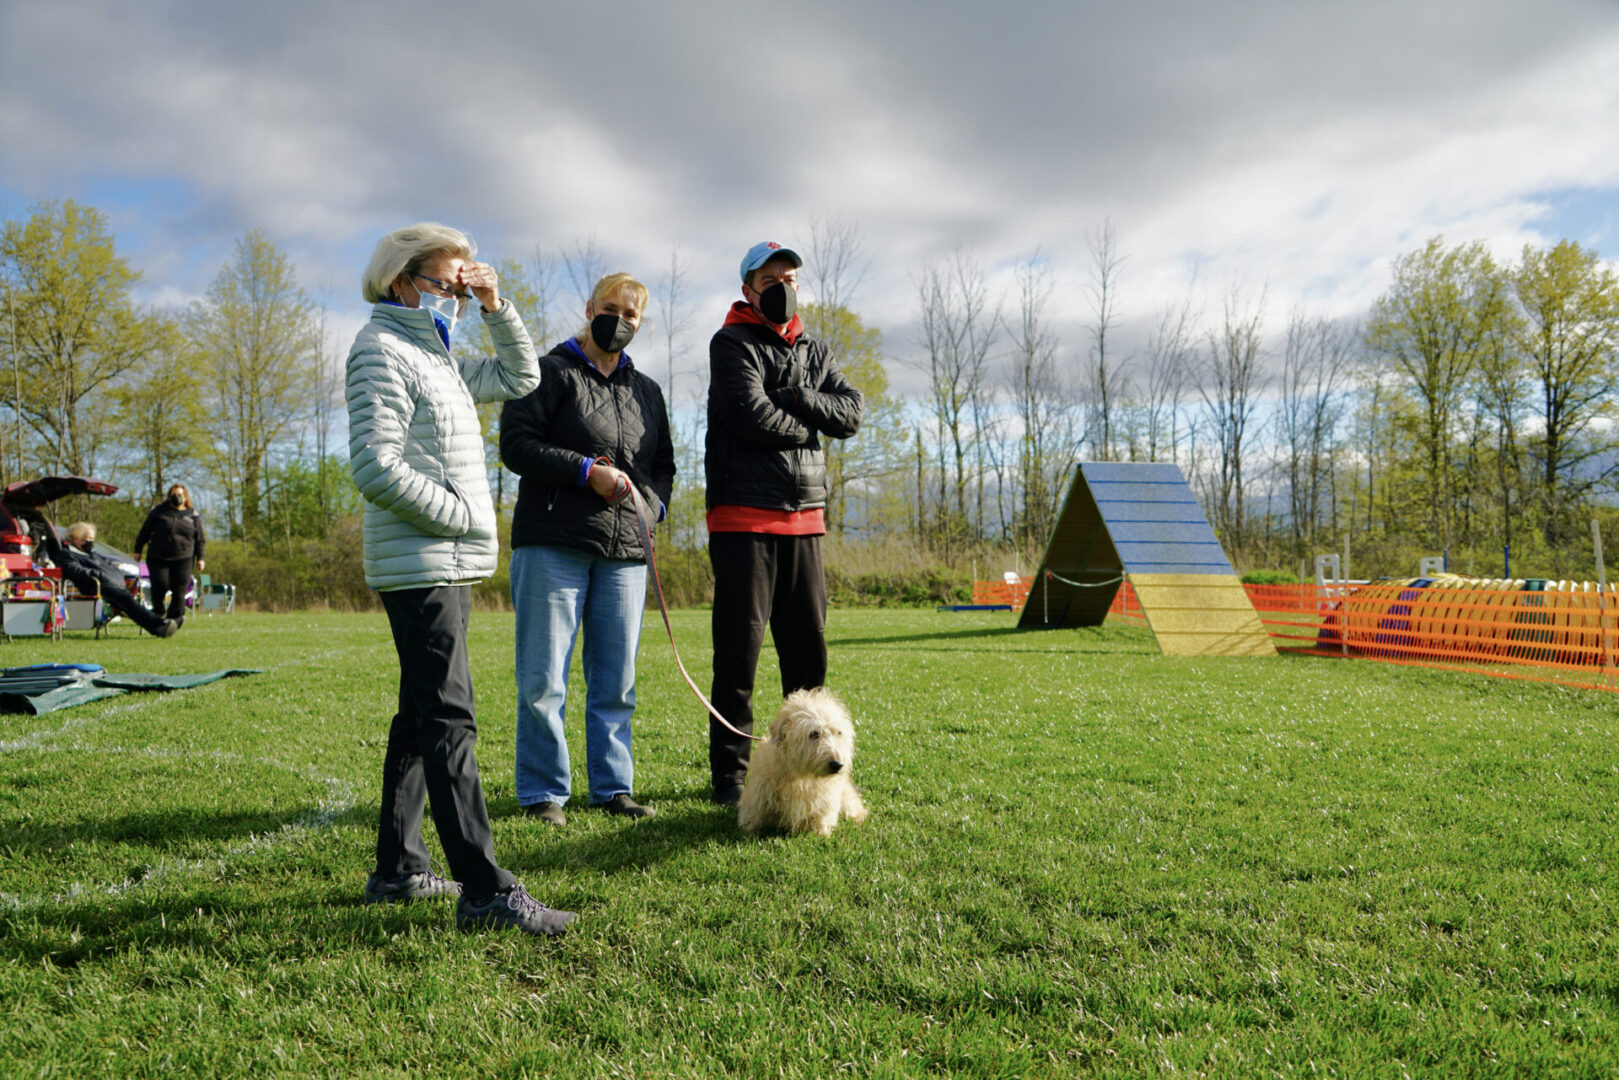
(403, 251)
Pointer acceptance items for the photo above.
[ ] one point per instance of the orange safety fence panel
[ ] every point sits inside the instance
(1566, 632)
(1002, 592)
(1126, 605)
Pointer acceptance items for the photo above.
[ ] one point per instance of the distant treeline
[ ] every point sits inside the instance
(1472, 408)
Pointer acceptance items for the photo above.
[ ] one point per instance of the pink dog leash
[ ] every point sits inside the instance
(627, 490)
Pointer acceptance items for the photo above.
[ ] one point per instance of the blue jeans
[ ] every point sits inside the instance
(555, 590)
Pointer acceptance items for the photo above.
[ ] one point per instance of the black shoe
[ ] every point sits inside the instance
(407, 888)
(548, 812)
(624, 806)
(165, 629)
(727, 795)
(513, 909)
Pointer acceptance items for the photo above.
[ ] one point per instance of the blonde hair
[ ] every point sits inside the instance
(403, 251)
(185, 494)
(80, 531)
(608, 287)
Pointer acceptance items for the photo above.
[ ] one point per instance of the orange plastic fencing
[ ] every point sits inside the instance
(1126, 606)
(1002, 592)
(1566, 633)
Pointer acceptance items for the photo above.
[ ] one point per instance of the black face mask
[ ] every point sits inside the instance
(778, 303)
(88, 546)
(611, 333)
(175, 500)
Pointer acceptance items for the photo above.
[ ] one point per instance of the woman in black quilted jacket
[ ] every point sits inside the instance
(173, 538)
(594, 427)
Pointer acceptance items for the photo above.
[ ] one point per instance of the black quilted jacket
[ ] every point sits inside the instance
(171, 534)
(768, 404)
(578, 414)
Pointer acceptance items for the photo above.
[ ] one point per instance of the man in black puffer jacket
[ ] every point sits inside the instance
(772, 393)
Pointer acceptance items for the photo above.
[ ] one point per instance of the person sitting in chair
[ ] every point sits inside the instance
(95, 575)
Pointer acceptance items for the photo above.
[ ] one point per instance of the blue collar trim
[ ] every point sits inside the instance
(573, 344)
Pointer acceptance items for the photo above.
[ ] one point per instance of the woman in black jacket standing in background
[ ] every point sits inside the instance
(175, 534)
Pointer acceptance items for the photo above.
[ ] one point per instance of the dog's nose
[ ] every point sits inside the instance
(834, 766)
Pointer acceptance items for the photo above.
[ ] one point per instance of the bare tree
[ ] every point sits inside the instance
(1039, 401)
(1171, 348)
(1230, 389)
(585, 265)
(1104, 375)
(1317, 357)
(325, 400)
(836, 265)
(673, 318)
(958, 328)
(856, 468)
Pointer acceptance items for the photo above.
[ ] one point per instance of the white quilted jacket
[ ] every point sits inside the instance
(416, 449)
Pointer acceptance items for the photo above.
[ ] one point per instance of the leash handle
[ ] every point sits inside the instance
(645, 528)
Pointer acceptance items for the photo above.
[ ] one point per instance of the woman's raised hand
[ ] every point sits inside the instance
(482, 281)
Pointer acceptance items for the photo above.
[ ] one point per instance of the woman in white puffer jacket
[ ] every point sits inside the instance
(416, 450)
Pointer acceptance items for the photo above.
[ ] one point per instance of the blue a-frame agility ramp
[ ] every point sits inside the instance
(1142, 521)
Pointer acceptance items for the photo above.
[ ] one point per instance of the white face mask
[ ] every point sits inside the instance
(444, 308)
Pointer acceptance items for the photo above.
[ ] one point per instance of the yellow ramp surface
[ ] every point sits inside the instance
(1201, 615)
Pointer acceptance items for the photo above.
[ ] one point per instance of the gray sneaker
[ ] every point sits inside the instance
(513, 909)
(425, 885)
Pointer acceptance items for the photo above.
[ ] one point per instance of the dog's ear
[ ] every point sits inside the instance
(778, 726)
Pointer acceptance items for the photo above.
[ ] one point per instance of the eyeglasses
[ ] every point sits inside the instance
(443, 286)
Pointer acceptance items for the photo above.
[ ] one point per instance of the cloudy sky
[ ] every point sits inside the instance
(1296, 147)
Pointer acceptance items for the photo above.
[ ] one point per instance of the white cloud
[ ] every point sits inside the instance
(1301, 147)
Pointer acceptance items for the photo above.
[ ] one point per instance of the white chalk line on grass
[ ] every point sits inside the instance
(337, 798)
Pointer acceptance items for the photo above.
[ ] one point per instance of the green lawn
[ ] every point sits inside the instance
(1083, 859)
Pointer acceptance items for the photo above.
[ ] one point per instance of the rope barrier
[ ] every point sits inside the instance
(1084, 584)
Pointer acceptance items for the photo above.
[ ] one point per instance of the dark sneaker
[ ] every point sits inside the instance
(548, 812)
(166, 628)
(513, 909)
(403, 890)
(730, 795)
(624, 806)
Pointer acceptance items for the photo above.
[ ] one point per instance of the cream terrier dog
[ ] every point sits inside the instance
(799, 779)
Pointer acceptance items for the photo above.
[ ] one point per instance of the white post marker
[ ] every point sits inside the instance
(1602, 599)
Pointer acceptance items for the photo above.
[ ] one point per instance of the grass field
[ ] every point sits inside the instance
(1083, 859)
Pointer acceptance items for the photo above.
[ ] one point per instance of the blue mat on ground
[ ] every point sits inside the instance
(44, 688)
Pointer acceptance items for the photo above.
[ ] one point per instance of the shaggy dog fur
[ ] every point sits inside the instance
(799, 779)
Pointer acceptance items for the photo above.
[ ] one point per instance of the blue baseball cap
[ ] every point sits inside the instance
(763, 252)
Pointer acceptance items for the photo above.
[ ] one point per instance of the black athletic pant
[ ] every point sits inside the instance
(172, 576)
(761, 580)
(430, 746)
